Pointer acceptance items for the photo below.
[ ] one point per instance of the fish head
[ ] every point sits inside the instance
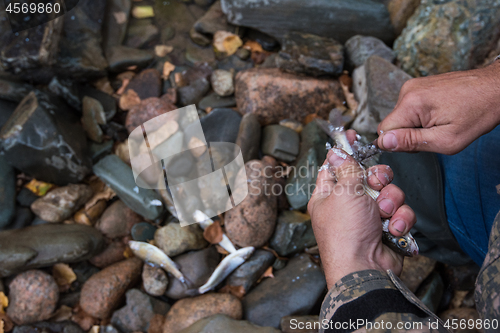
(246, 252)
(134, 245)
(405, 245)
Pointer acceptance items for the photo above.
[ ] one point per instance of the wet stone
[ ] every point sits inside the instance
(213, 21)
(431, 292)
(146, 84)
(359, 48)
(221, 125)
(461, 277)
(197, 267)
(147, 109)
(251, 270)
(223, 323)
(99, 150)
(213, 101)
(65, 326)
(33, 296)
(67, 90)
(118, 175)
(193, 93)
(45, 245)
(7, 108)
(122, 57)
(187, 311)
(293, 233)
(174, 239)
(102, 293)
(249, 137)
(280, 142)
(108, 102)
(311, 55)
(143, 232)
(7, 192)
(295, 289)
(61, 132)
(25, 197)
(14, 90)
(112, 253)
(196, 54)
(154, 280)
(140, 308)
(24, 217)
(222, 82)
(234, 63)
(376, 87)
(117, 220)
(140, 34)
(93, 116)
(116, 22)
(60, 203)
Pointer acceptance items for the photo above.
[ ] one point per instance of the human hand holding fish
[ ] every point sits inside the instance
(347, 223)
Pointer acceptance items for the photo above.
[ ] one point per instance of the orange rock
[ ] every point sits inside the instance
(273, 95)
(102, 293)
(187, 311)
(117, 220)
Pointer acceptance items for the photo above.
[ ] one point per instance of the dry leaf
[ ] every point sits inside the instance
(274, 253)
(4, 302)
(253, 46)
(62, 314)
(213, 233)
(167, 69)
(349, 96)
(89, 216)
(6, 323)
(267, 274)
(129, 99)
(104, 85)
(106, 194)
(142, 12)
(128, 253)
(120, 17)
(221, 250)
(238, 291)
(63, 274)
(232, 44)
(163, 50)
(38, 187)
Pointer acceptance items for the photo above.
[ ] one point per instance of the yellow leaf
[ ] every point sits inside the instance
(232, 44)
(142, 12)
(38, 187)
(106, 194)
(4, 302)
(167, 69)
(63, 274)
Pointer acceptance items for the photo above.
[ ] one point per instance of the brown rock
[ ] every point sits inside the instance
(154, 280)
(273, 95)
(33, 297)
(174, 239)
(103, 291)
(61, 203)
(113, 253)
(400, 11)
(146, 110)
(83, 319)
(146, 84)
(252, 222)
(117, 220)
(156, 324)
(189, 310)
(415, 270)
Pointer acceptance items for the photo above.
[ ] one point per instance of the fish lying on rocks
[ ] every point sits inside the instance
(406, 244)
(154, 255)
(204, 221)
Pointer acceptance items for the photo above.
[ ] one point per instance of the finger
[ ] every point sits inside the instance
(414, 139)
(347, 171)
(379, 176)
(324, 182)
(351, 136)
(390, 199)
(402, 221)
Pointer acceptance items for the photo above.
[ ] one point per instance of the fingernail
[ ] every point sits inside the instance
(386, 206)
(338, 158)
(389, 141)
(382, 178)
(399, 226)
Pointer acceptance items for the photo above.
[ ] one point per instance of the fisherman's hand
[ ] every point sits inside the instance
(443, 113)
(347, 223)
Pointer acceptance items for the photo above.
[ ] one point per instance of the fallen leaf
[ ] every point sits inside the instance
(63, 274)
(106, 194)
(128, 253)
(129, 99)
(274, 253)
(89, 216)
(167, 69)
(232, 44)
(253, 46)
(238, 291)
(267, 274)
(345, 83)
(4, 302)
(38, 187)
(213, 233)
(62, 314)
(120, 17)
(163, 50)
(83, 319)
(6, 324)
(142, 12)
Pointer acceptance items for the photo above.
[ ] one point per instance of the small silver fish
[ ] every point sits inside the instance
(204, 221)
(226, 267)
(406, 244)
(154, 255)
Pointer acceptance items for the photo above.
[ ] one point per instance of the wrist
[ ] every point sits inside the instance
(338, 268)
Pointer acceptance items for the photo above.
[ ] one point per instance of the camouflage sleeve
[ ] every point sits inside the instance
(375, 301)
(487, 293)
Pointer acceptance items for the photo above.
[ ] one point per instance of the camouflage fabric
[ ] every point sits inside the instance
(487, 294)
(358, 284)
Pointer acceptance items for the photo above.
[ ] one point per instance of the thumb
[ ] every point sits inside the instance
(346, 169)
(408, 140)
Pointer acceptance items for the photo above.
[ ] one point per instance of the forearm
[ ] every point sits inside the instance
(369, 298)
